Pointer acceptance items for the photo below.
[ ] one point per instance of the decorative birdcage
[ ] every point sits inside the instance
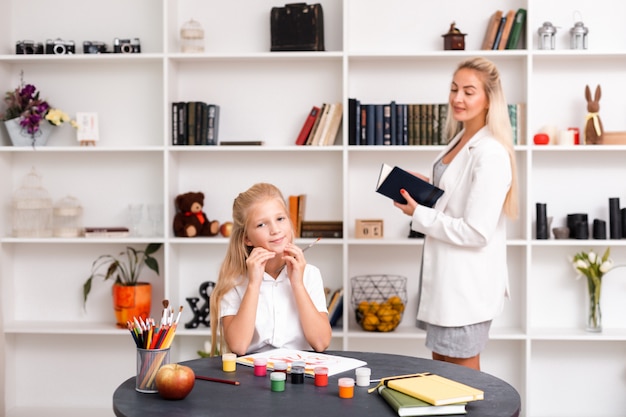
(192, 37)
(32, 208)
(378, 301)
(68, 217)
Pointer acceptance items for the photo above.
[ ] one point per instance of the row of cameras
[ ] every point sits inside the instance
(62, 47)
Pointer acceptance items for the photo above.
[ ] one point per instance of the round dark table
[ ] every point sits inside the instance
(254, 397)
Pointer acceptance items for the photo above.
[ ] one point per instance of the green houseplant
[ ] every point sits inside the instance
(131, 298)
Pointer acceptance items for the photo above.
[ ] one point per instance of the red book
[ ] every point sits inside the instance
(308, 124)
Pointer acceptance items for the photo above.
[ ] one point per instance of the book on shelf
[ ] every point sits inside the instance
(104, 231)
(191, 122)
(307, 125)
(370, 124)
(335, 364)
(517, 30)
(392, 179)
(335, 307)
(242, 143)
(317, 134)
(434, 389)
(329, 133)
(297, 207)
(316, 125)
(211, 136)
(492, 30)
(329, 228)
(179, 125)
(506, 31)
(354, 119)
(387, 137)
(496, 41)
(408, 406)
(322, 225)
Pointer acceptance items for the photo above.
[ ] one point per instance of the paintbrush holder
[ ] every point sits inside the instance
(149, 361)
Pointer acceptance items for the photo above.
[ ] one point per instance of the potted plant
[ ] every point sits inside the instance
(28, 118)
(131, 298)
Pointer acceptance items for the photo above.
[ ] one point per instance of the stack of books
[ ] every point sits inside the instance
(321, 228)
(426, 394)
(505, 30)
(397, 124)
(321, 125)
(195, 123)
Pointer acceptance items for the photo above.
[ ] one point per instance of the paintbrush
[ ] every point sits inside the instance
(303, 250)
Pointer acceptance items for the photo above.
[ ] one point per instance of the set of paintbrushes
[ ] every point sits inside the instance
(147, 335)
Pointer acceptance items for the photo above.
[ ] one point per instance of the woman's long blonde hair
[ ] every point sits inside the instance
(234, 264)
(498, 122)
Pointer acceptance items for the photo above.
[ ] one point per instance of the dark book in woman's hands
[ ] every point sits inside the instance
(392, 180)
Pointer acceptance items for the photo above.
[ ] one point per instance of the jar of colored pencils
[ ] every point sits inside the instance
(149, 361)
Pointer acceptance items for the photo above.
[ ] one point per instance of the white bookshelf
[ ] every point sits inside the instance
(376, 51)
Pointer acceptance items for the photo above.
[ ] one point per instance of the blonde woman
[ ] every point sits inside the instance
(266, 296)
(464, 278)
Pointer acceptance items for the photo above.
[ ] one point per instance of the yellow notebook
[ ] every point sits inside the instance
(434, 389)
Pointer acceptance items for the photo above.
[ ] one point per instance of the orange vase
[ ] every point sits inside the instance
(131, 301)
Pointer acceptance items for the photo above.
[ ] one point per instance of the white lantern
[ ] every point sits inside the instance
(192, 37)
(32, 208)
(68, 218)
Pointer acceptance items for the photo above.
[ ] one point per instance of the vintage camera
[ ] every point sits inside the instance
(60, 47)
(126, 46)
(28, 48)
(94, 47)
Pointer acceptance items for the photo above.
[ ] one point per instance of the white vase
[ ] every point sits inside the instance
(19, 136)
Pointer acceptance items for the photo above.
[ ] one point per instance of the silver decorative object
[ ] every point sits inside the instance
(578, 36)
(547, 34)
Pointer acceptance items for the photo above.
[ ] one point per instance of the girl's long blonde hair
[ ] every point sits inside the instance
(498, 122)
(234, 264)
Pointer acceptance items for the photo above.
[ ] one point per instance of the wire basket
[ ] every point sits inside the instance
(378, 301)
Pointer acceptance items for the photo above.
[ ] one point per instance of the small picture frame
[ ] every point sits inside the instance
(369, 229)
(87, 132)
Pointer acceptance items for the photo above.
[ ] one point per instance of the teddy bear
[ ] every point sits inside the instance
(190, 220)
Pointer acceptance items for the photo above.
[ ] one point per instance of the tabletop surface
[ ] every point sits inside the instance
(254, 394)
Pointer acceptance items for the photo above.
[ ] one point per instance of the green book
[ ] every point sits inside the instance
(405, 405)
(516, 30)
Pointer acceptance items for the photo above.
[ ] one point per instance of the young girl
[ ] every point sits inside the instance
(266, 295)
(464, 277)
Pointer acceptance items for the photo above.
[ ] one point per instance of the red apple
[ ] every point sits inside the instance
(226, 229)
(174, 381)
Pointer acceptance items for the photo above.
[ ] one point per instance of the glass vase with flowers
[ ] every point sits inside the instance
(593, 267)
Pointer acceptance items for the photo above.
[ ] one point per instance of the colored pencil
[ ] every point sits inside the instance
(223, 381)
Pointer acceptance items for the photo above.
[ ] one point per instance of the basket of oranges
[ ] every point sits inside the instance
(378, 301)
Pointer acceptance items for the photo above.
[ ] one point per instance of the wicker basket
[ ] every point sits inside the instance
(378, 301)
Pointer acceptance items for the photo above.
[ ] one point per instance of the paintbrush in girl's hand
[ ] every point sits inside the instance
(303, 250)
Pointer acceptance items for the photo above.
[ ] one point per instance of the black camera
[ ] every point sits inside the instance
(60, 47)
(28, 48)
(94, 47)
(126, 46)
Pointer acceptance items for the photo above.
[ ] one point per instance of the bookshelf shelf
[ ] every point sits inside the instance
(377, 51)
